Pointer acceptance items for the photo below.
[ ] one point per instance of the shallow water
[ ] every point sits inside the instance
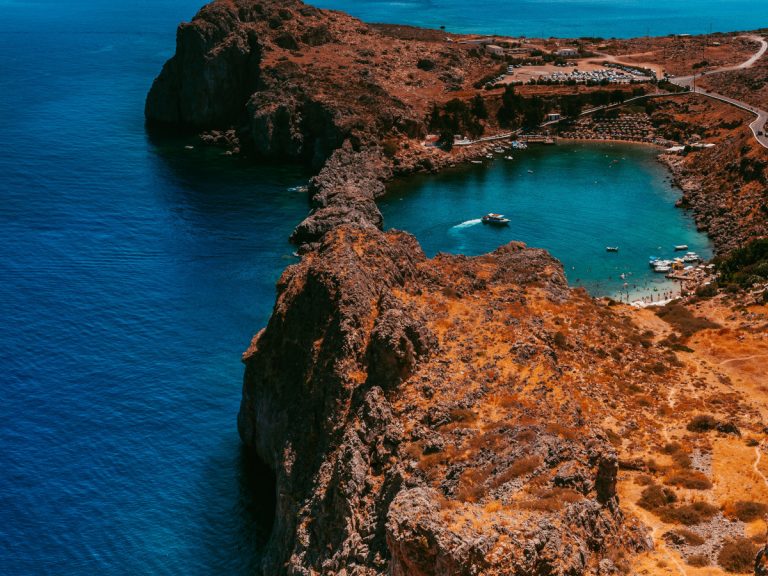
(572, 199)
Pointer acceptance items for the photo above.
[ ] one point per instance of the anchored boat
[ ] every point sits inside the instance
(495, 219)
(611, 248)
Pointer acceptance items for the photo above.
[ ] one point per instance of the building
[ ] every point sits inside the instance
(567, 52)
(553, 116)
(494, 49)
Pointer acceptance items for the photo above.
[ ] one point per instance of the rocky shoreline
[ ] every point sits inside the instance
(447, 416)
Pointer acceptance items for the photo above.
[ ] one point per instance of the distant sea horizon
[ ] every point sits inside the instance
(563, 18)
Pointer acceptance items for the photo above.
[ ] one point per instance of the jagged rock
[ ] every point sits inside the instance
(761, 562)
(346, 354)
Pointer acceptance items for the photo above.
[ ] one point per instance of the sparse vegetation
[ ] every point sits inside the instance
(698, 560)
(655, 497)
(688, 514)
(702, 423)
(683, 320)
(691, 479)
(737, 555)
(746, 511)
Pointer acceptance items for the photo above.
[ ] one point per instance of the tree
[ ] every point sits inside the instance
(445, 141)
(478, 107)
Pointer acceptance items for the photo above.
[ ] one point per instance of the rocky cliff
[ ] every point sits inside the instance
(422, 417)
(296, 82)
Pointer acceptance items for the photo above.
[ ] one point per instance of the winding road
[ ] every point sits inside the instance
(758, 125)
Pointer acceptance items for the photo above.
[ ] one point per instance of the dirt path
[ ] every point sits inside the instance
(743, 359)
(756, 465)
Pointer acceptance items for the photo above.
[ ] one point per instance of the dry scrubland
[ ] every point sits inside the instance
(476, 415)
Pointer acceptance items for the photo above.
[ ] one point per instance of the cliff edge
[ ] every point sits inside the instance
(422, 417)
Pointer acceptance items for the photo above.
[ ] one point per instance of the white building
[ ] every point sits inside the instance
(567, 52)
(494, 49)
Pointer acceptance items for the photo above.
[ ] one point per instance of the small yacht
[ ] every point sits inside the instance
(681, 247)
(611, 248)
(495, 219)
(691, 257)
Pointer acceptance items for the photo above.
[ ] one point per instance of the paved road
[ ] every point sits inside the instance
(758, 125)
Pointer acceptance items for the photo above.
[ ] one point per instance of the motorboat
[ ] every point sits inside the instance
(611, 248)
(681, 247)
(495, 219)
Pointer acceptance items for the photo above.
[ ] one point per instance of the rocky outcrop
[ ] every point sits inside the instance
(215, 69)
(398, 447)
(345, 192)
(294, 81)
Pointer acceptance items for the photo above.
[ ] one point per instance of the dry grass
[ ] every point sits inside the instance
(551, 500)
(690, 537)
(698, 560)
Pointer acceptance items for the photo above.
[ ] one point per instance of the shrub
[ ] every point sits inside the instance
(688, 514)
(683, 320)
(692, 479)
(689, 537)
(698, 560)
(747, 511)
(560, 340)
(655, 497)
(702, 423)
(742, 264)
(737, 555)
(425, 64)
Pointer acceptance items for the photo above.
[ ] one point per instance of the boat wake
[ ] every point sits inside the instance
(467, 224)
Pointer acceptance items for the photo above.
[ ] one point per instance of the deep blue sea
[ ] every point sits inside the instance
(565, 18)
(134, 272)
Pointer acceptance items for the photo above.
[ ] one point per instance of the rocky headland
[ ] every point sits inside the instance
(463, 415)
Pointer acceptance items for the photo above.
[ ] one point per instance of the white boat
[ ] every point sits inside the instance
(681, 247)
(476, 161)
(508, 158)
(662, 268)
(495, 219)
(611, 248)
(691, 257)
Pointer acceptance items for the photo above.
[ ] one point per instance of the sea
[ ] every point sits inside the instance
(134, 271)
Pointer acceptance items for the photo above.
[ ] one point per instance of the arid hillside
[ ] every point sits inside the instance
(476, 415)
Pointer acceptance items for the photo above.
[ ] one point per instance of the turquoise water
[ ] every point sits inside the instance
(565, 18)
(572, 199)
(133, 273)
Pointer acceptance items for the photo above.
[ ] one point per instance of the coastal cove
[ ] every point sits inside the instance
(136, 270)
(613, 195)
